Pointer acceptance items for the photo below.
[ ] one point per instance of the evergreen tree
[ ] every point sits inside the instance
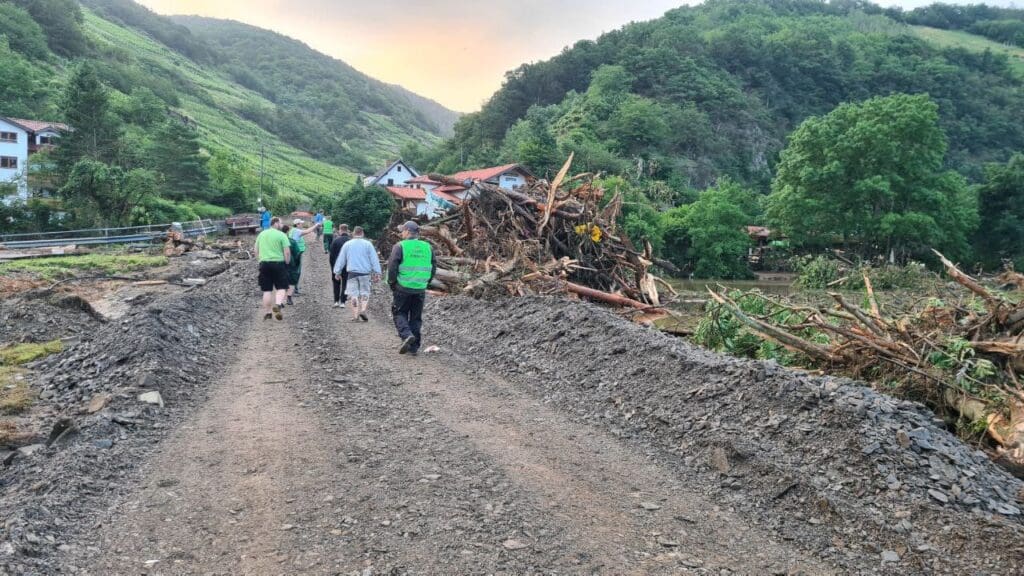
(176, 155)
(94, 128)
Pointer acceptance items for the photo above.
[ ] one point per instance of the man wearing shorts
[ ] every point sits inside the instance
(274, 254)
(359, 258)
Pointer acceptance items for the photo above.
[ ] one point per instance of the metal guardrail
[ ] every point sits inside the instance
(99, 236)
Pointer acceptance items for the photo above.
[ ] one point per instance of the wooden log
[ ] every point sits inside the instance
(449, 276)
(607, 297)
(549, 205)
(968, 282)
(459, 261)
(772, 333)
(868, 322)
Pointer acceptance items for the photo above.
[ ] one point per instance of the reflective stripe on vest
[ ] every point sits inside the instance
(414, 270)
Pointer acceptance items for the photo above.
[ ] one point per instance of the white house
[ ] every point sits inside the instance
(19, 139)
(398, 173)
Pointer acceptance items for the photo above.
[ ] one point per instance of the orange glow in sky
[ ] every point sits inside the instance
(454, 51)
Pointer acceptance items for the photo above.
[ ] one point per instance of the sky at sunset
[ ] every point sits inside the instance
(454, 51)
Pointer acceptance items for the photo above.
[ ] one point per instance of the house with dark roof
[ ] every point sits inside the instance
(19, 139)
(397, 173)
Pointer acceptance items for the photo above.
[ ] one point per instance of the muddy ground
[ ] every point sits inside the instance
(544, 437)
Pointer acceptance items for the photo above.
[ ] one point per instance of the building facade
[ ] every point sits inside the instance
(398, 173)
(19, 139)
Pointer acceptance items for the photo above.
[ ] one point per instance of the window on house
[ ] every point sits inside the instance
(9, 162)
(399, 168)
(8, 136)
(391, 181)
(44, 140)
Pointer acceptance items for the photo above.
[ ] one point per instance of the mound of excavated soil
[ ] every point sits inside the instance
(857, 477)
(173, 344)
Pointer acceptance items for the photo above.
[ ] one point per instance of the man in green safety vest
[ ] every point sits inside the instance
(328, 230)
(411, 267)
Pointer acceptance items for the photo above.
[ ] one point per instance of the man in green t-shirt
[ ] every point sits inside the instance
(328, 225)
(273, 253)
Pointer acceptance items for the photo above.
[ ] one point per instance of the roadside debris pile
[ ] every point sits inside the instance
(102, 403)
(960, 357)
(545, 238)
(857, 477)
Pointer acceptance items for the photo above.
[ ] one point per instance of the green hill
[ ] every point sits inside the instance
(714, 90)
(214, 102)
(251, 102)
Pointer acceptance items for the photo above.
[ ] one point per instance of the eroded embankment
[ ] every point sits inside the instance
(174, 344)
(859, 478)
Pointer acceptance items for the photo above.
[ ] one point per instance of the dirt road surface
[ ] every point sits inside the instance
(321, 450)
(545, 436)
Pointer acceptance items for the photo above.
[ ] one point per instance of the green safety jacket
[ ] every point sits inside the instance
(414, 271)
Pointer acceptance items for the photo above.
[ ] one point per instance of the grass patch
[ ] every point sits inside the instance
(66, 266)
(15, 395)
(972, 42)
(19, 354)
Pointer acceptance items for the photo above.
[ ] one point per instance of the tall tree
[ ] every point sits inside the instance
(870, 176)
(103, 195)
(369, 207)
(176, 155)
(1001, 200)
(86, 108)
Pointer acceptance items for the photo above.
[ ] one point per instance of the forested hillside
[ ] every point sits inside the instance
(712, 92)
(183, 135)
(319, 104)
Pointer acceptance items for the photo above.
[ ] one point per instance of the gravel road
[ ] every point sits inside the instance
(313, 447)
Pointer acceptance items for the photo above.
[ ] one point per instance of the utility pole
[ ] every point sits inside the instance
(261, 172)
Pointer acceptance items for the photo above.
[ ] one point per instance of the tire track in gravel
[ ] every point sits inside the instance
(630, 515)
(323, 451)
(227, 491)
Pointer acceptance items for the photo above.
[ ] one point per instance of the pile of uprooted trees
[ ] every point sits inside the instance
(544, 238)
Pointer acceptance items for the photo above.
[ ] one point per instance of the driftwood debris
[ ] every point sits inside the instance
(963, 358)
(545, 238)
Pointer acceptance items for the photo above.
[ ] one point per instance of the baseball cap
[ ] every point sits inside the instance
(411, 227)
(296, 222)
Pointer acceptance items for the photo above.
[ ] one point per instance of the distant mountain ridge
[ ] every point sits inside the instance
(367, 120)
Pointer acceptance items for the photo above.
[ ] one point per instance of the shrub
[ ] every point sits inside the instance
(817, 272)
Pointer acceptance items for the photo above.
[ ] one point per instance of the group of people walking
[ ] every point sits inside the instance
(354, 266)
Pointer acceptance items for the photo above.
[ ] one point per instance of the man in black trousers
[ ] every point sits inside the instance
(340, 237)
(411, 267)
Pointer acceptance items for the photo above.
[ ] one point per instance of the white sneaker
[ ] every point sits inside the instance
(336, 305)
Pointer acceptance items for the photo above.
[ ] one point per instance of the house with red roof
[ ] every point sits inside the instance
(19, 139)
(430, 197)
(410, 199)
(509, 176)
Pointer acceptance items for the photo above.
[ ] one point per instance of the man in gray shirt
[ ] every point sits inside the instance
(359, 258)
